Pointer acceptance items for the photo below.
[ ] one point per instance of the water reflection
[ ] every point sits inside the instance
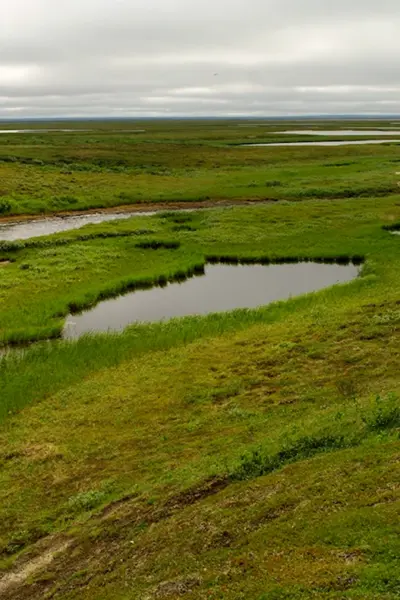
(221, 288)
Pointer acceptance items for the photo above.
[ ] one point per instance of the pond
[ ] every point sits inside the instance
(326, 143)
(221, 288)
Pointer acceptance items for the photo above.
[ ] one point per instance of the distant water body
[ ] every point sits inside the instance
(325, 143)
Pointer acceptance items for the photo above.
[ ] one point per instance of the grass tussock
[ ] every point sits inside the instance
(157, 244)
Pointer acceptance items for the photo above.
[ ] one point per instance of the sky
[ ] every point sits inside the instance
(227, 58)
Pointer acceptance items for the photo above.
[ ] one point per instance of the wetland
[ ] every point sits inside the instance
(223, 418)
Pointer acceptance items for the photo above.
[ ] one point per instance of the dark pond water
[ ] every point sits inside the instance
(28, 229)
(325, 143)
(221, 288)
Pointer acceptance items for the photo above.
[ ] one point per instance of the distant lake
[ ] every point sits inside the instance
(337, 132)
(325, 143)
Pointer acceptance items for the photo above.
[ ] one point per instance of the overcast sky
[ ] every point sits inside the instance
(198, 57)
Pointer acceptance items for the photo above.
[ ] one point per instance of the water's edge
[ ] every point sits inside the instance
(215, 288)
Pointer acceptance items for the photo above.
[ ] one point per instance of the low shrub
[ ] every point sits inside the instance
(5, 206)
(384, 414)
(86, 501)
(257, 462)
(273, 183)
(158, 244)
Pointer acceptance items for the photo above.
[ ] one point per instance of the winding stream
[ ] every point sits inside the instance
(23, 230)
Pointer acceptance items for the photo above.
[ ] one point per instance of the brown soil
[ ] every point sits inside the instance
(19, 575)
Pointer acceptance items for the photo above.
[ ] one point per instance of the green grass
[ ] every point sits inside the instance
(110, 166)
(76, 269)
(151, 431)
(247, 455)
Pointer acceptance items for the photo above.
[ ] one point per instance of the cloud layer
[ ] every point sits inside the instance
(186, 57)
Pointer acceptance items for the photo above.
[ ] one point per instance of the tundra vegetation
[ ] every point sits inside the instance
(251, 455)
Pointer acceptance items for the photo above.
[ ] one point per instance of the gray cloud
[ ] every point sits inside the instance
(186, 57)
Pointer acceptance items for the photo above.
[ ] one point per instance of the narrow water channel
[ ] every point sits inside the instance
(39, 131)
(24, 230)
(221, 288)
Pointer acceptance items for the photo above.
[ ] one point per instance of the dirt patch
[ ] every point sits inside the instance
(4, 263)
(351, 557)
(41, 452)
(18, 577)
(172, 589)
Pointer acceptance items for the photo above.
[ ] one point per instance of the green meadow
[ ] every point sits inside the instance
(102, 166)
(252, 454)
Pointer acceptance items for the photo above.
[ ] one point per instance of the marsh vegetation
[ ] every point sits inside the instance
(248, 454)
